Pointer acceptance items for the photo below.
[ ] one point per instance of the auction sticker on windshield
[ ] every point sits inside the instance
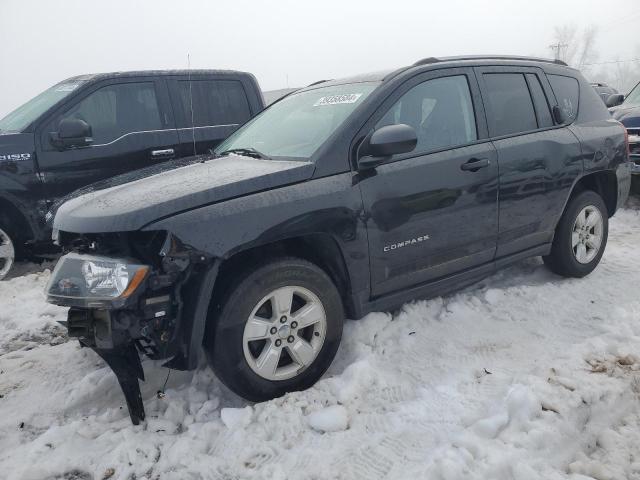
(67, 87)
(338, 99)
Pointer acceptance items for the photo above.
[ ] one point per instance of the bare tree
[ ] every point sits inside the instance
(575, 47)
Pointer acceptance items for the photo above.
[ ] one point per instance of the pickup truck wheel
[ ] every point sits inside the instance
(277, 331)
(581, 236)
(7, 248)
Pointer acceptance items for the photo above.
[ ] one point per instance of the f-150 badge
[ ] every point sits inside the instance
(15, 157)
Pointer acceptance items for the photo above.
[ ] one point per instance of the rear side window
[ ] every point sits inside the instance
(509, 104)
(215, 102)
(440, 111)
(539, 101)
(115, 110)
(567, 91)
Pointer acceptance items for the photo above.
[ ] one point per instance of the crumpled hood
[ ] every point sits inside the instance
(130, 206)
(628, 115)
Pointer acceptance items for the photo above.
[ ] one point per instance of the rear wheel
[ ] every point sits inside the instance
(276, 330)
(581, 236)
(8, 248)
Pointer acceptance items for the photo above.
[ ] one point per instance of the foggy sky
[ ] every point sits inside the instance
(284, 43)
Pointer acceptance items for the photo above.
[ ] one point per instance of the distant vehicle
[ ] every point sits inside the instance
(604, 90)
(92, 127)
(627, 111)
(345, 197)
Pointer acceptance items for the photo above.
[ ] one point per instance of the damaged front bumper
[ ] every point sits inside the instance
(122, 308)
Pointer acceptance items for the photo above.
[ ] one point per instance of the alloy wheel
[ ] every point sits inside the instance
(7, 253)
(586, 237)
(284, 333)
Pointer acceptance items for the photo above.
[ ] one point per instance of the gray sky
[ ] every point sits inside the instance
(280, 41)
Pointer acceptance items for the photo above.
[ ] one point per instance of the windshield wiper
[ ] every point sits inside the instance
(248, 151)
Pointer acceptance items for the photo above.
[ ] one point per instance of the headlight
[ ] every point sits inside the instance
(88, 280)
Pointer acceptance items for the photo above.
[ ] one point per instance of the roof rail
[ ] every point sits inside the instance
(429, 60)
(318, 82)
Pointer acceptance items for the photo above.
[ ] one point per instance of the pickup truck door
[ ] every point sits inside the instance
(132, 128)
(434, 211)
(208, 109)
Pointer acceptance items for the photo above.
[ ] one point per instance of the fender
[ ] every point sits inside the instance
(329, 205)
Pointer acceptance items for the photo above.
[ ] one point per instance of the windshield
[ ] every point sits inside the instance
(634, 96)
(24, 115)
(299, 124)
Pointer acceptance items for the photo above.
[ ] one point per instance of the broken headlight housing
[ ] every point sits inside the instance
(94, 281)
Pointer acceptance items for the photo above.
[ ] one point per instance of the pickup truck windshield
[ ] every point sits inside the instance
(296, 126)
(24, 115)
(634, 95)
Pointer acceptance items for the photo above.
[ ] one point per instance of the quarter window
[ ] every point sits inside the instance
(440, 111)
(567, 92)
(510, 107)
(215, 102)
(115, 110)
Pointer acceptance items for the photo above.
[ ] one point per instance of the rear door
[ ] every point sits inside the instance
(132, 128)
(432, 212)
(538, 161)
(208, 109)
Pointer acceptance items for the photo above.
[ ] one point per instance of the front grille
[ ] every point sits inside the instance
(634, 143)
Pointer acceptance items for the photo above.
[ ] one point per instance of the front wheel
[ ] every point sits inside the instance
(581, 236)
(276, 330)
(8, 247)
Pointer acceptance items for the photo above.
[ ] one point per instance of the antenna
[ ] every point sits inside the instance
(193, 128)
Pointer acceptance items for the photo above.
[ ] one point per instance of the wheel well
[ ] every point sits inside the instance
(13, 214)
(319, 249)
(605, 184)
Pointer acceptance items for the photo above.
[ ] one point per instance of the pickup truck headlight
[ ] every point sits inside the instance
(88, 280)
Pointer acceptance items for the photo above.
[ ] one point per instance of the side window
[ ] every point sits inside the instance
(440, 110)
(215, 102)
(567, 90)
(539, 101)
(115, 110)
(510, 106)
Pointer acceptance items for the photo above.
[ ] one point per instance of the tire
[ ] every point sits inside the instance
(574, 252)
(244, 362)
(9, 247)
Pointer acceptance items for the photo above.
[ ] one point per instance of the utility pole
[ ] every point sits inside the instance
(557, 50)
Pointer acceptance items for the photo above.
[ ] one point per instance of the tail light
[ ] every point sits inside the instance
(626, 141)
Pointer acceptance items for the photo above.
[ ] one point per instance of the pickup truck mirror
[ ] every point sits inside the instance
(72, 132)
(614, 100)
(389, 140)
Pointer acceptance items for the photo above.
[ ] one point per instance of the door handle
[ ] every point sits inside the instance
(167, 152)
(475, 164)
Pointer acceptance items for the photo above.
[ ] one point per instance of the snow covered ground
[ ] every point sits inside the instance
(524, 376)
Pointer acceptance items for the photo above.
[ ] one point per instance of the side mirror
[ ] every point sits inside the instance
(614, 100)
(558, 115)
(72, 132)
(385, 142)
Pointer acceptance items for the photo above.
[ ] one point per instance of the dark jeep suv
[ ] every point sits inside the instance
(92, 127)
(345, 197)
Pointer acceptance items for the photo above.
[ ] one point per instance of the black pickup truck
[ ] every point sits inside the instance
(342, 198)
(626, 109)
(92, 127)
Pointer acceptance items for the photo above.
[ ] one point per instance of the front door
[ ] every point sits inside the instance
(130, 130)
(432, 212)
